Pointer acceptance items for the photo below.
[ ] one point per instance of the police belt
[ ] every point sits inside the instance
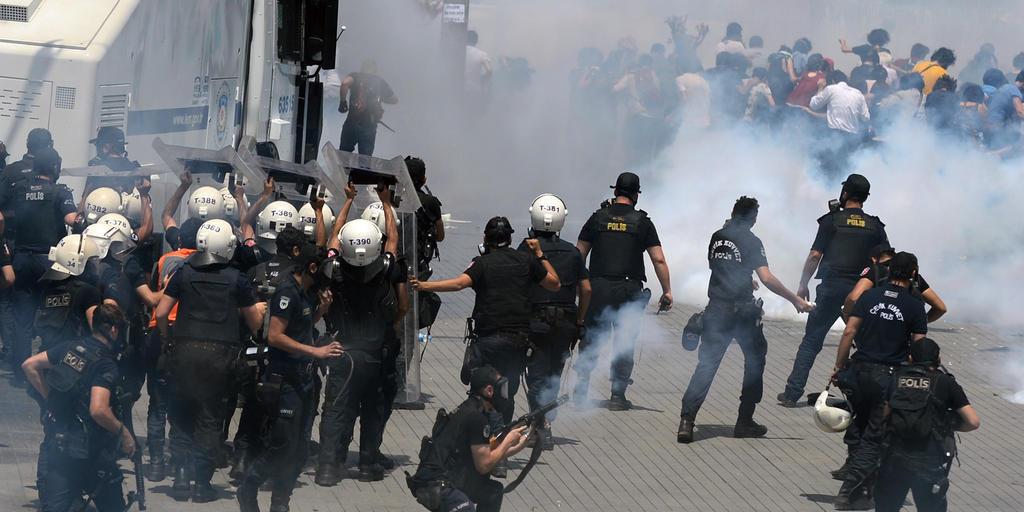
(298, 373)
(617, 278)
(554, 312)
(869, 366)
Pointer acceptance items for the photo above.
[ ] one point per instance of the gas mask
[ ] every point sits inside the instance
(501, 389)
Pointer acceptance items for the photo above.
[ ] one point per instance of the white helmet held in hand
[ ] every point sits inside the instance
(216, 242)
(206, 203)
(70, 256)
(132, 205)
(547, 214)
(828, 416)
(100, 202)
(307, 219)
(230, 204)
(362, 242)
(375, 213)
(274, 218)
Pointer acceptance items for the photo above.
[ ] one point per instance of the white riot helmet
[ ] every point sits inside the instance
(206, 203)
(100, 202)
(362, 242)
(547, 214)
(829, 415)
(122, 241)
(230, 204)
(100, 234)
(70, 256)
(132, 205)
(274, 218)
(307, 219)
(375, 213)
(216, 243)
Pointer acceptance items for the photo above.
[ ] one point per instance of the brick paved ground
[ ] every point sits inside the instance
(630, 460)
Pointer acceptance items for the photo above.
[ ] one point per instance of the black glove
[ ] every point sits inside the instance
(343, 106)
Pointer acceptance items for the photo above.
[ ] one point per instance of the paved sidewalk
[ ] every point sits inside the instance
(630, 460)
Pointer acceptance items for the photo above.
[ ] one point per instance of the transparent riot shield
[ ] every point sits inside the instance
(366, 172)
(210, 167)
(295, 182)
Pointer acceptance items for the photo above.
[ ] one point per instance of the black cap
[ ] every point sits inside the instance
(857, 183)
(187, 233)
(627, 182)
(482, 377)
(39, 138)
(880, 249)
(46, 161)
(924, 351)
(109, 135)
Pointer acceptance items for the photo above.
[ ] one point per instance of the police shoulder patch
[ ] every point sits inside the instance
(487, 431)
(284, 301)
(864, 272)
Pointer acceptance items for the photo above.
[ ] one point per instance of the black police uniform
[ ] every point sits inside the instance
(503, 280)
(446, 461)
(206, 347)
(7, 327)
(118, 281)
(286, 392)
(81, 455)
(845, 238)
(361, 318)
(39, 207)
(734, 253)
(553, 329)
(619, 236)
(920, 440)
(427, 216)
(890, 317)
(878, 274)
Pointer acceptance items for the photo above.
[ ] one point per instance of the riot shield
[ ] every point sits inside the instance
(210, 167)
(366, 172)
(295, 182)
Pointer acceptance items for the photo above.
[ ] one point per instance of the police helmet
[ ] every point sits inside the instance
(70, 256)
(375, 213)
(307, 219)
(361, 242)
(547, 214)
(123, 240)
(216, 243)
(132, 203)
(498, 232)
(275, 217)
(100, 234)
(829, 414)
(206, 203)
(100, 202)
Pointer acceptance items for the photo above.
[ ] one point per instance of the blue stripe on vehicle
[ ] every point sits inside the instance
(168, 120)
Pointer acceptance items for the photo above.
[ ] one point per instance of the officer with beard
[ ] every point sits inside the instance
(286, 388)
(211, 297)
(42, 211)
(368, 287)
(85, 437)
(557, 320)
(616, 238)
(840, 251)
(503, 279)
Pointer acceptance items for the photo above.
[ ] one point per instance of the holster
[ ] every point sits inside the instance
(427, 493)
(751, 311)
(72, 441)
(268, 392)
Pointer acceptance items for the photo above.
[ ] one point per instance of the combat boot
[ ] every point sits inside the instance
(280, 503)
(749, 429)
(853, 497)
(182, 481)
(840, 474)
(618, 402)
(327, 475)
(371, 473)
(203, 492)
(246, 495)
(157, 471)
(386, 462)
(685, 433)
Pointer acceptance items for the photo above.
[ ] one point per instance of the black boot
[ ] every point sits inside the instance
(547, 439)
(182, 482)
(280, 502)
(385, 462)
(240, 468)
(840, 474)
(746, 427)
(371, 473)
(618, 402)
(327, 475)
(157, 468)
(203, 492)
(853, 497)
(685, 433)
(246, 495)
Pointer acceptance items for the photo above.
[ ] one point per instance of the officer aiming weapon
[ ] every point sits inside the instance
(535, 419)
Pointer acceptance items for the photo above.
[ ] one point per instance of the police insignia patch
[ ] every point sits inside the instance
(487, 431)
(283, 303)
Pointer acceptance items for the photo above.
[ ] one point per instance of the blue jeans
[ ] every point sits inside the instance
(829, 296)
(355, 133)
(722, 324)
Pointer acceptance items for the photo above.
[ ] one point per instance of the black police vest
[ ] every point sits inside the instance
(564, 258)
(207, 307)
(36, 214)
(54, 323)
(617, 244)
(363, 312)
(268, 275)
(69, 396)
(916, 417)
(849, 251)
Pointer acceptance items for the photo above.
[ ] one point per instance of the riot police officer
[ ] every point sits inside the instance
(884, 323)
(458, 457)
(921, 447)
(734, 253)
(878, 274)
(557, 319)
(429, 226)
(85, 436)
(615, 238)
(840, 251)
(111, 151)
(503, 279)
(38, 140)
(211, 297)
(368, 288)
(286, 387)
(42, 210)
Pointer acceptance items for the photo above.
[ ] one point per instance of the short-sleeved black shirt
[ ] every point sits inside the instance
(430, 205)
(468, 426)
(568, 263)
(6, 258)
(618, 255)
(79, 300)
(734, 253)
(119, 281)
(880, 273)
(39, 208)
(365, 97)
(503, 279)
(890, 315)
(946, 391)
(296, 306)
(248, 256)
(839, 265)
(101, 372)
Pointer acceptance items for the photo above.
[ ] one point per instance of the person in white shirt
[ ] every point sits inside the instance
(845, 108)
(478, 65)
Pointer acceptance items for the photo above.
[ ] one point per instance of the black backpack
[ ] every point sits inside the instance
(916, 415)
